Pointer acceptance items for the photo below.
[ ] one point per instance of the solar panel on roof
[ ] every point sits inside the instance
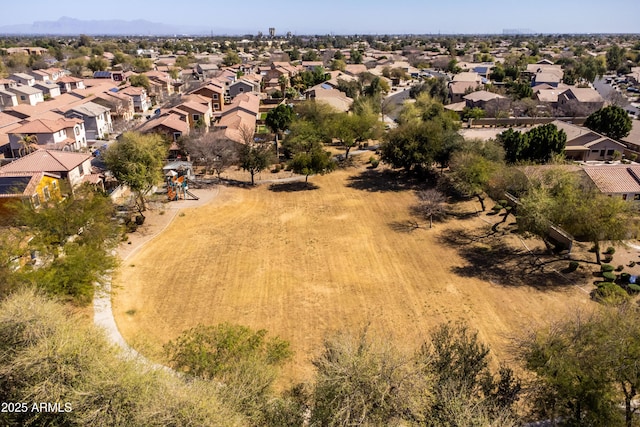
(13, 184)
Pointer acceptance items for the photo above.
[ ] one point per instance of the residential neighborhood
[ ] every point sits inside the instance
(322, 229)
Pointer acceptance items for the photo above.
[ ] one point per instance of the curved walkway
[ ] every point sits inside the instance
(160, 218)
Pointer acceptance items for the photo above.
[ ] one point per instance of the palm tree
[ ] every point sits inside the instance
(28, 144)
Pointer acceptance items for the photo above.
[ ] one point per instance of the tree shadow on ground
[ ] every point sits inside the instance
(289, 187)
(385, 180)
(489, 257)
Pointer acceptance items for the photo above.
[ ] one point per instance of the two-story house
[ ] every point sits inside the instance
(70, 83)
(27, 94)
(23, 79)
(61, 134)
(215, 92)
(97, 119)
(141, 102)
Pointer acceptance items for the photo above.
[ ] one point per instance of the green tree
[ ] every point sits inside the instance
(585, 366)
(537, 145)
(338, 64)
(97, 63)
(615, 57)
(459, 364)
(312, 160)
(565, 200)
(142, 65)
(356, 56)
(231, 58)
(471, 174)
(254, 158)
(353, 129)
(73, 238)
(612, 121)
(140, 80)
(278, 120)
(136, 161)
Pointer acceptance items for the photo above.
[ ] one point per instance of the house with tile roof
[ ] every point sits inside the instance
(120, 105)
(23, 79)
(621, 181)
(170, 124)
(97, 119)
(213, 91)
(587, 99)
(199, 114)
(326, 94)
(583, 144)
(48, 88)
(27, 94)
(141, 103)
(62, 134)
(70, 83)
(458, 89)
(7, 99)
(74, 167)
(239, 117)
(480, 98)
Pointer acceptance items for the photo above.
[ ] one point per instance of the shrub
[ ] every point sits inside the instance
(633, 287)
(606, 267)
(610, 276)
(573, 266)
(608, 258)
(610, 293)
(610, 250)
(624, 277)
(620, 268)
(375, 163)
(632, 264)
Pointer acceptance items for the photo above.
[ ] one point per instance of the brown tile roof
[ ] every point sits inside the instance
(586, 94)
(170, 121)
(462, 87)
(193, 106)
(615, 178)
(46, 126)
(482, 95)
(46, 161)
(247, 101)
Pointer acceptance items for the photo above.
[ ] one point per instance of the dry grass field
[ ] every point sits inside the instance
(304, 264)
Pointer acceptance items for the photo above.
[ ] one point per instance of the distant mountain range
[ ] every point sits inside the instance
(71, 26)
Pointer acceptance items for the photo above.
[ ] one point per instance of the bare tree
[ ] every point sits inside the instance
(431, 204)
(213, 151)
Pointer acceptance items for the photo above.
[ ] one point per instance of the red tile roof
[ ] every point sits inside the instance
(46, 161)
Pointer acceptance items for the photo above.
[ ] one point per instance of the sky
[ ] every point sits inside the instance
(351, 16)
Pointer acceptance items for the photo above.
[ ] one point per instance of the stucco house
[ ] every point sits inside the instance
(27, 94)
(32, 187)
(97, 119)
(74, 167)
(61, 134)
(586, 145)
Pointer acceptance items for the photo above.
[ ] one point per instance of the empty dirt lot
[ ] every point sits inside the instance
(306, 263)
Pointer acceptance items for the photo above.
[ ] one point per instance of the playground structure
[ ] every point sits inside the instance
(178, 187)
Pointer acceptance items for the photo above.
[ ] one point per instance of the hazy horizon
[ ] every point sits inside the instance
(353, 16)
